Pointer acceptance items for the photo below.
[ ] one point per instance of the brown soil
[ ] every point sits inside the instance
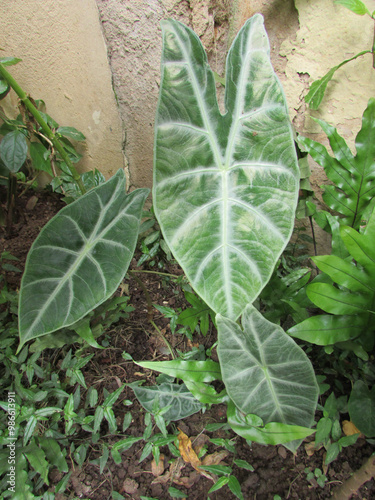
(276, 470)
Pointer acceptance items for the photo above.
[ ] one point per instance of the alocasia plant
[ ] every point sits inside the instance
(79, 258)
(225, 192)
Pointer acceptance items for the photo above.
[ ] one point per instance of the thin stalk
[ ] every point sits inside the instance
(46, 129)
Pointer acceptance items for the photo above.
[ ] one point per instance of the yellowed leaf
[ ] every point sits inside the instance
(187, 451)
(349, 428)
(215, 458)
(158, 470)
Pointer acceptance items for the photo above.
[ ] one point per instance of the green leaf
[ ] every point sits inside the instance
(79, 258)
(83, 329)
(265, 372)
(13, 150)
(39, 157)
(243, 464)
(37, 460)
(195, 371)
(335, 301)
(29, 429)
(327, 330)
(99, 415)
(9, 61)
(345, 273)
(272, 433)
(355, 6)
(182, 403)
(222, 481)
(175, 493)
(317, 89)
(323, 430)
(225, 186)
(235, 487)
(353, 187)
(53, 453)
(71, 132)
(333, 449)
(111, 399)
(361, 408)
(205, 393)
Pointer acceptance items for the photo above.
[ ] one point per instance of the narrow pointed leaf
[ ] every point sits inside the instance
(79, 258)
(355, 6)
(345, 273)
(225, 186)
(335, 301)
(195, 371)
(265, 372)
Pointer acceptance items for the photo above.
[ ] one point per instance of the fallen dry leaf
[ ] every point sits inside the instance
(158, 470)
(349, 428)
(310, 448)
(215, 458)
(172, 474)
(188, 454)
(187, 451)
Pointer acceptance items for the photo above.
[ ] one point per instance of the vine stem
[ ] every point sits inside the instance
(46, 129)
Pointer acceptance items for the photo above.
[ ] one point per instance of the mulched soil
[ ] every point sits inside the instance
(276, 470)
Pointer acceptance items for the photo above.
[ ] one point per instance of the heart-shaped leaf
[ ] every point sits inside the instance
(79, 258)
(265, 372)
(225, 185)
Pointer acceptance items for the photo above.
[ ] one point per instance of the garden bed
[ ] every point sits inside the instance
(276, 470)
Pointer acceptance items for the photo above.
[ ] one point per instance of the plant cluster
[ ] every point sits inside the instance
(225, 195)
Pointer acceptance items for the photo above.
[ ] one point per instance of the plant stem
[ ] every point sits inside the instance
(46, 129)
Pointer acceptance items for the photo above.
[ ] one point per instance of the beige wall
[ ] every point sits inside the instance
(64, 62)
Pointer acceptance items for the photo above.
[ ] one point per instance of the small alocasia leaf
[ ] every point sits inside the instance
(13, 150)
(79, 258)
(361, 408)
(182, 402)
(225, 185)
(265, 372)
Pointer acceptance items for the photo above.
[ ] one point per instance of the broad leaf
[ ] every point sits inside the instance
(182, 403)
(353, 176)
(265, 372)
(79, 258)
(327, 330)
(361, 407)
(13, 150)
(225, 185)
(40, 157)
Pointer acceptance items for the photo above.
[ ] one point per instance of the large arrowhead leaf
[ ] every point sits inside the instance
(265, 372)
(225, 186)
(79, 258)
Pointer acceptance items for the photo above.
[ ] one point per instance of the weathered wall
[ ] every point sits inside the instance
(65, 64)
(133, 34)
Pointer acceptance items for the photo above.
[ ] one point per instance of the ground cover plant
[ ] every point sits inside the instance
(225, 194)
